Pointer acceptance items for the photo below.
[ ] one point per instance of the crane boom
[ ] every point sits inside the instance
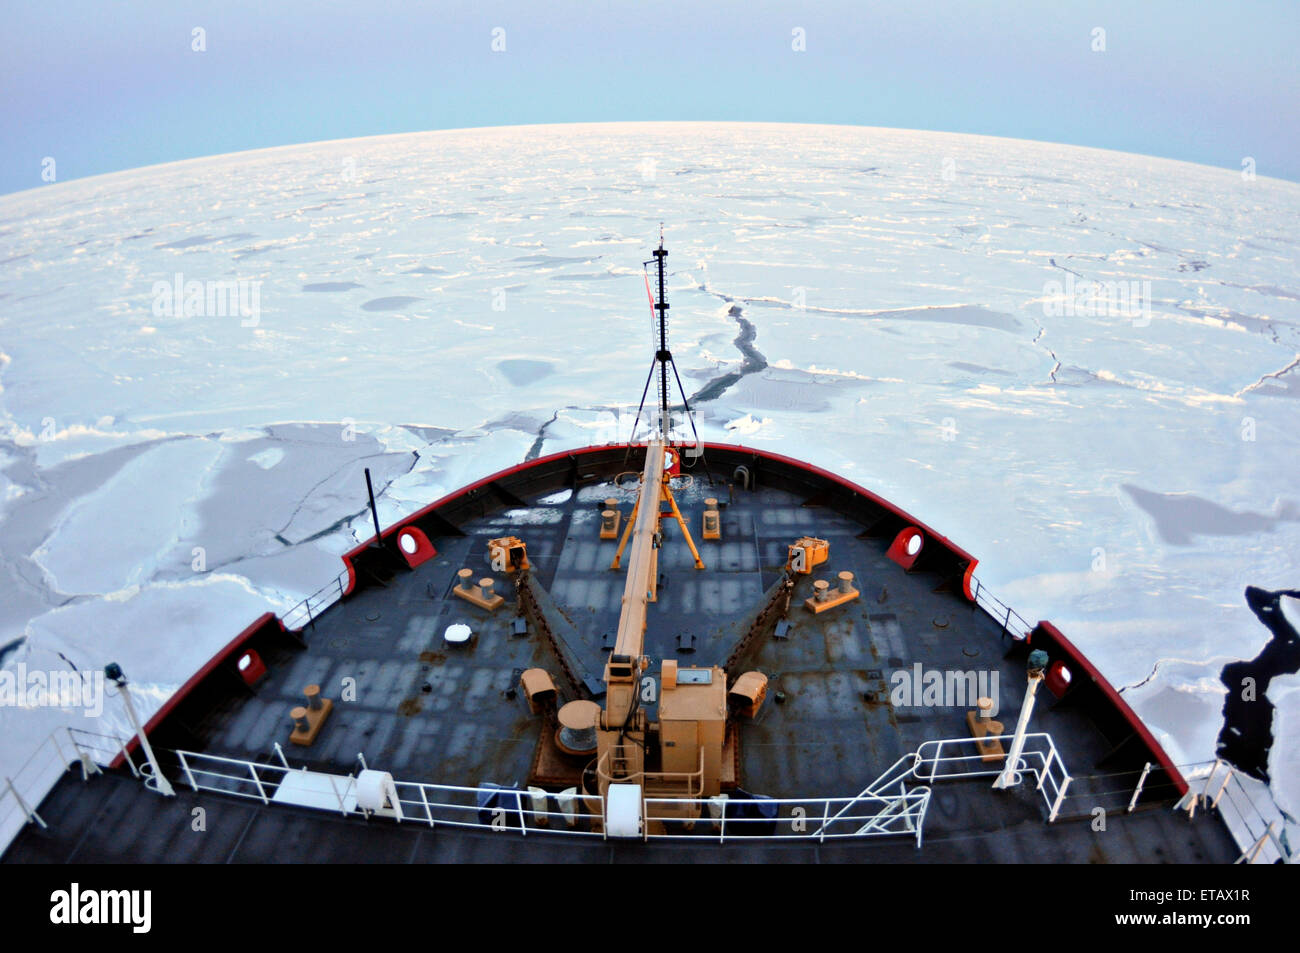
(638, 590)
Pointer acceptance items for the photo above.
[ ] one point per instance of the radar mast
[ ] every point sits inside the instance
(663, 359)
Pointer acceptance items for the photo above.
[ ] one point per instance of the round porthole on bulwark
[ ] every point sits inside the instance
(941, 622)
(372, 615)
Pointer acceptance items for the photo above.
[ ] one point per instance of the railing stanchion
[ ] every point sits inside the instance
(1209, 778)
(1047, 765)
(185, 766)
(85, 758)
(428, 811)
(252, 769)
(30, 814)
(1222, 787)
(1248, 856)
(1060, 798)
(1137, 792)
(338, 797)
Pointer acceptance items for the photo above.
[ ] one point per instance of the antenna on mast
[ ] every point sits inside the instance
(663, 358)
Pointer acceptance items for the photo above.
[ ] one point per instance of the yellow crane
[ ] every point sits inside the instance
(691, 728)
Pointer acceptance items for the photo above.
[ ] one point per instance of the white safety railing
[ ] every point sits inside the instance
(526, 811)
(948, 759)
(22, 791)
(886, 807)
(1237, 798)
(889, 783)
(304, 613)
(1013, 623)
(533, 810)
(819, 819)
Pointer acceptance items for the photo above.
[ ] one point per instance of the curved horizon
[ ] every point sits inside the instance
(174, 163)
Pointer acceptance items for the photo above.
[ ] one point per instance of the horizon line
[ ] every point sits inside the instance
(620, 122)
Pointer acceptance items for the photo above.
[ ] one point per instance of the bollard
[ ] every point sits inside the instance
(483, 595)
(309, 719)
(712, 523)
(610, 519)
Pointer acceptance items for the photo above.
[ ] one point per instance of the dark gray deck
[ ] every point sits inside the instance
(826, 739)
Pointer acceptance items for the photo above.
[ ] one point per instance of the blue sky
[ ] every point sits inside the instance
(103, 86)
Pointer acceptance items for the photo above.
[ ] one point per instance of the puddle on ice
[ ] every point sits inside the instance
(520, 372)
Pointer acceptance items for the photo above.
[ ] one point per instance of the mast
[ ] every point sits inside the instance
(663, 355)
(663, 359)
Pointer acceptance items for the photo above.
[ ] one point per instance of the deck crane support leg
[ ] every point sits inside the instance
(627, 534)
(699, 563)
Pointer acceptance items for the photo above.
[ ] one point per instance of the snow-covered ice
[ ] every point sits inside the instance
(437, 306)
